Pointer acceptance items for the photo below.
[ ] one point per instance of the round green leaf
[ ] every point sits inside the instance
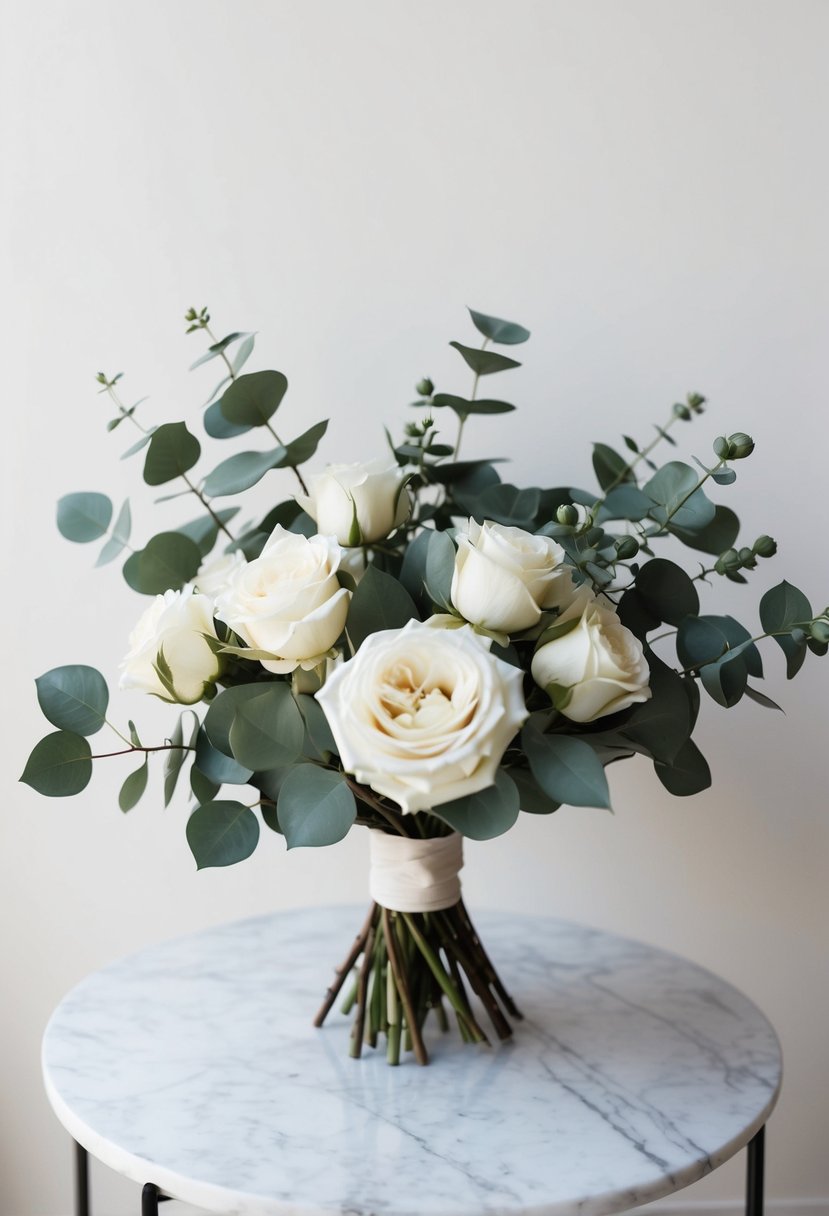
(688, 774)
(315, 807)
(380, 602)
(218, 427)
(217, 767)
(252, 400)
(222, 833)
(84, 517)
(172, 452)
(567, 769)
(59, 766)
(267, 730)
(74, 698)
(222, 710)
(667, 590)
(488, 813)
(168, 561)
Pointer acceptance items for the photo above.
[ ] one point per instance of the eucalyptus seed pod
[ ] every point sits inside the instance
(740, 445)
(682, 411)
(819, 630)
(764, 546)
(728, 562)
(569, 515)
(627, 547)
(425, 387)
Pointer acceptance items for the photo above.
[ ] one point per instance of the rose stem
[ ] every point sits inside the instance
(440, 1011)
(342, 972)
(444, 981)
(494, 978)
(375, 1006)
(362, 986)
(393, 1014)
(480, 986)
(458, 981)
(403, 988)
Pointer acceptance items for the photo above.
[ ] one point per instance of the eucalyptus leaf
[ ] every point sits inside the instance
(167, 562)
(302, 449)
(133, 788)
(84, 517)
(688, 773)
(74, 698)
(222, 833)
(625, 501)
(484, 362)
(238, 473)
(214, 351)
(315, 807)
(222, 710)
(218, 427)
(139, 444)
(715, 537)
(172, 452)
(610, 468)
(380, 602)
(267, 730)
(506, 333)
(463, 407)
(667, 590)
(532, 799)
(566, 768)
(59, 766)
(216, 766)
(204, 531)
(486, 814)
(440, 567)
(783, 607)
(252, 400)
(509, 505)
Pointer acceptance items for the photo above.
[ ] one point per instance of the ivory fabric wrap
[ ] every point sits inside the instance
(415, 875)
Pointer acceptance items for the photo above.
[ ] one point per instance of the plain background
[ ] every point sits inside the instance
(642, 184)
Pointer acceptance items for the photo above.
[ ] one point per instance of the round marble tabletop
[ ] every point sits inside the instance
(194, 1065)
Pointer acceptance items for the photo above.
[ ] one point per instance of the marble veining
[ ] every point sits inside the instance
(194, 1065)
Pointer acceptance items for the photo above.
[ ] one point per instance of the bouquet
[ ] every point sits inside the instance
(415, 645)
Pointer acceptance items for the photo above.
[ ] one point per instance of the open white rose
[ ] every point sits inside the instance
(594, 668)
(288, 601)
(423, 715)
(174, 624)
(215, 574)
(504, 577)
(357, 503)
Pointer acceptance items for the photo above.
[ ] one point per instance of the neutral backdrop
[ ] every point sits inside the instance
(645, 186)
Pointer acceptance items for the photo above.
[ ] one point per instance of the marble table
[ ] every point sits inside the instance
(192, 1067)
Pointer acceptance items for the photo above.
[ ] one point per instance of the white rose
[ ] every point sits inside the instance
(288, 601)
(594, 668)
(216, 573)
(505, 576)
(357, 503)
(173, 625)
(423, 715)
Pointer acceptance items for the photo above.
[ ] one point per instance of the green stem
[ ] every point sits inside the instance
(638, 458)
(213, 341)
(161, 747)
(204, 502)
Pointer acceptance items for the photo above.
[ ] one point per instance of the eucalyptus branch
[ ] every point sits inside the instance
(213, 341)
(159, 747)
(206, 504)
(124, 411)
(462, 419)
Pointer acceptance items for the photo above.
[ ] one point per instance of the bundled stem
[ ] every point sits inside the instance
(411, 962)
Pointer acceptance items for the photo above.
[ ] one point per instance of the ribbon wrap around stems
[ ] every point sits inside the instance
(409, 875)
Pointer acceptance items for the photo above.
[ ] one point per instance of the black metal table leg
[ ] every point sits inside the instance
(754, 1174)
(81, 1180)
(149, 1200)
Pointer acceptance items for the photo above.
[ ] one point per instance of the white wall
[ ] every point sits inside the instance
(644, 185)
